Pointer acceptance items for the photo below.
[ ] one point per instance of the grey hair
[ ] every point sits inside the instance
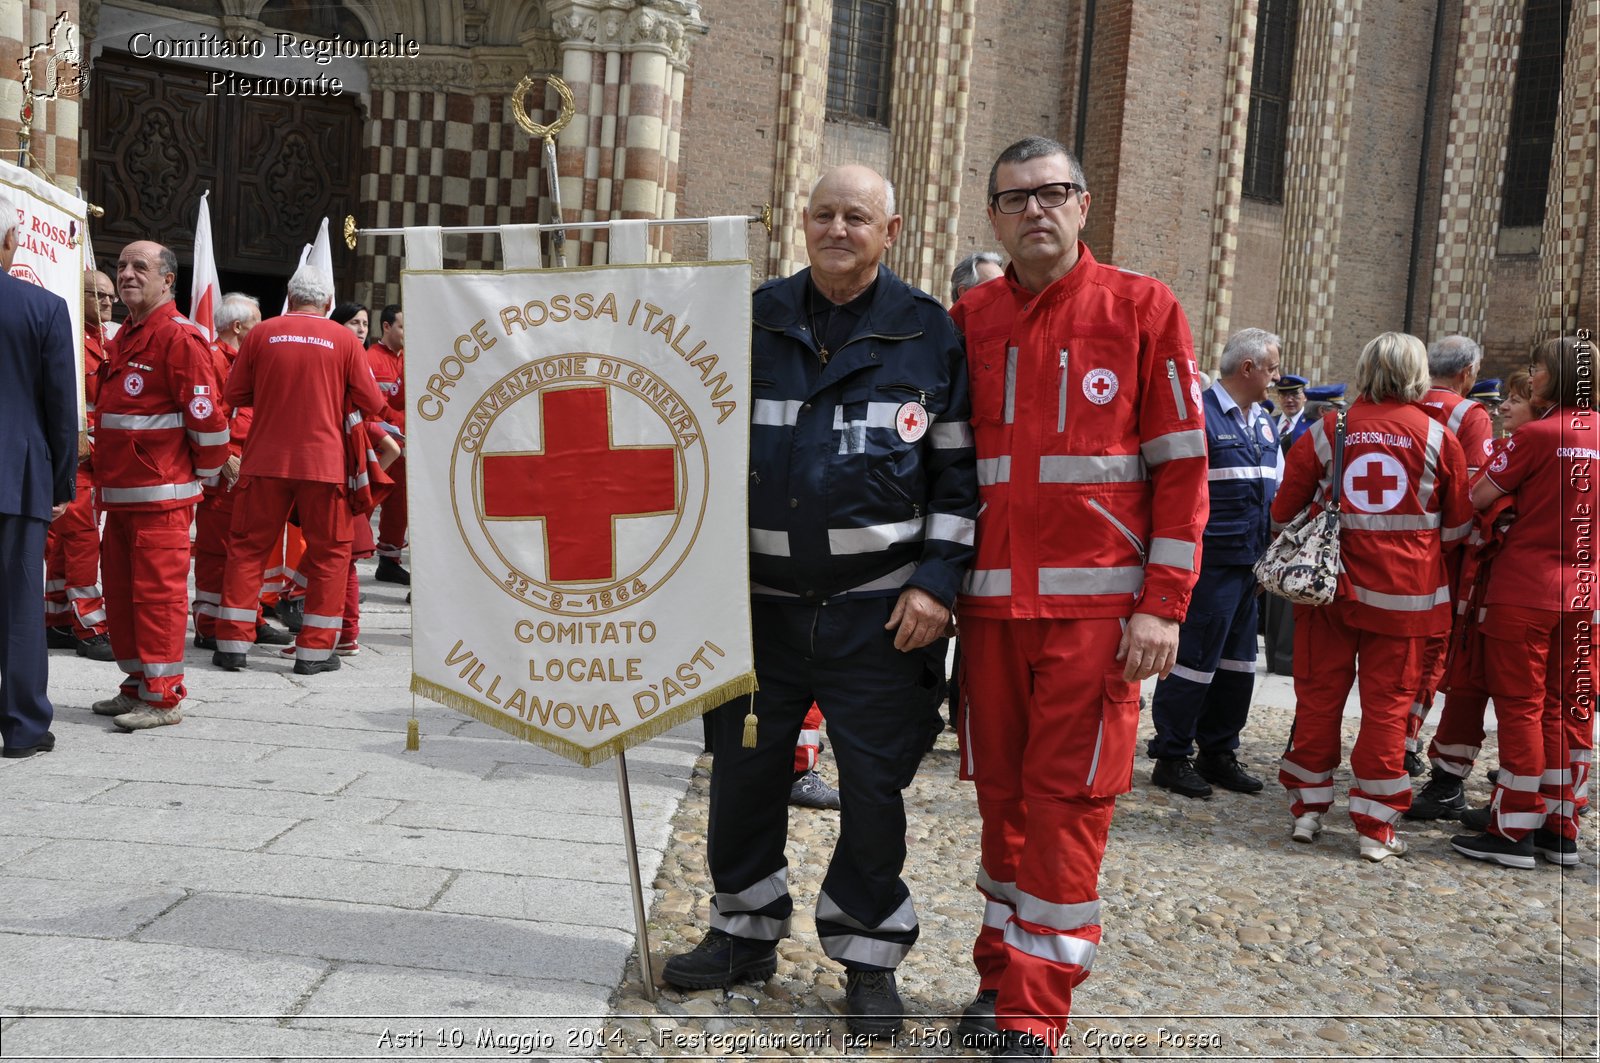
(310, 287)
(1246, 343)
(236, 306)
(1393, 367)
(168, 261)
(888, 192)
(1037, 148)
(965, 275)
(1452, 354)
(8, 215)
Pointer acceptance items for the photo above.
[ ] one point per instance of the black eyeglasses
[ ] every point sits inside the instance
(1015, 200)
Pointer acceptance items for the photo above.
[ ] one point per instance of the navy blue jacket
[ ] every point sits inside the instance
(38, 400)
(1243, 475)
(863, 480)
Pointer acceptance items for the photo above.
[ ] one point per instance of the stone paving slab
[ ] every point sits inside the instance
(238, 801)
(53, 819)
(53, 905)
(558, 900)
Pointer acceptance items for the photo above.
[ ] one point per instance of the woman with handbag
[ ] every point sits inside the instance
(1398, 481)
(1538, 623)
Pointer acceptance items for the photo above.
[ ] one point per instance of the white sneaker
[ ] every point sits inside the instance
(1307, 827)
(147, 716)
(116, 706)
(1379, 851)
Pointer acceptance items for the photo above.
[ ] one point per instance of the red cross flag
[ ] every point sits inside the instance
(577, 454)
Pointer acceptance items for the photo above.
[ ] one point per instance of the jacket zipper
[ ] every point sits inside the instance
(1121, 527)
(1061, 402)
(883, 480)
(1177, 390)
(922, 396)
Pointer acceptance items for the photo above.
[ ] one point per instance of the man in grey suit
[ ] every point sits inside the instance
(39, 436)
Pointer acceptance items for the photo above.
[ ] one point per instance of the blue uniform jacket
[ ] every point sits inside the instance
(38, 400)
(1243, 475)
(863, 479)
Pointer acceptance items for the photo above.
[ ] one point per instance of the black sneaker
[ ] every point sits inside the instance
(1224, 770)
(1443, 797)
(204, 642)
(719, 961)
(809, 791)
(230, 662)
(977, 1028)
(1556, 848)
(1178, 775)
(60, 638)
(267, 635)
(292, 613)
(1019, 1045)
(327, 664)
(1495, 849)
(1476, 819)
(96, 648)
(872, 1005)
(391, 571)
(1415, 765)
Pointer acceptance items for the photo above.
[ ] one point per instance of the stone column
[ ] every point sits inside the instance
(1218, 320)
(32, 28)
(624, 61)
(1564, 254)
(802, 110)
(1474, 166)
(928, 124)
(1314, 188)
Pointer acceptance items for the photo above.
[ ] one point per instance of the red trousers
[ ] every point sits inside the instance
(1326, 653)
(809, 747)
(144, 557)
(72, 595)
(1540, 668)
(1459, 737)
(1433, 661)
(1048, 733)
(259, 513)
(392, 513)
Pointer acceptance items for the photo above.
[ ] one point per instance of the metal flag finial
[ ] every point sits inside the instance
(519, 110)
(350, 231)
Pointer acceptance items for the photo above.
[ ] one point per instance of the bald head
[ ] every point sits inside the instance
(850, 222)
(146, 272)
(99, 297)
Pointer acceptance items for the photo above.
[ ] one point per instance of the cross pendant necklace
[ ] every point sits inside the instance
(820, 334)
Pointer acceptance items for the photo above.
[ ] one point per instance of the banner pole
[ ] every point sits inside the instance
(646, 972)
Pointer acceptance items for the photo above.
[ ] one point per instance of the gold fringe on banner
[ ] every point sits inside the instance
(587, 756)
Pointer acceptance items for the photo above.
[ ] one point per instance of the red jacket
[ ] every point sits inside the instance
(161, 429)
(389, 370)
(1404, 512)
(1091, 447)
(94, 355)
(1467, 419)
(222, 357)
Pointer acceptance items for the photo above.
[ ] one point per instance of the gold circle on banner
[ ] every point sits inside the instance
(520, 111)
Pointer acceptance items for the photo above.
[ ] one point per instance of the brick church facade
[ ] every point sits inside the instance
(1327, 169)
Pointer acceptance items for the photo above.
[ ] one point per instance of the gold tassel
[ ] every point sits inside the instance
(750, 727)
(413, 736)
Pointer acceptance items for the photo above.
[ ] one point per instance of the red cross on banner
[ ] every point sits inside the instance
(580, 485)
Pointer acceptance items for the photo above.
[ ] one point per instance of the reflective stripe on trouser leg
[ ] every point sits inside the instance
(327, 523)
(1520, 647)
(1200, 695)
(211, 521)
(1322, 680)
(392, 514)
(1459, 737)
(1228, 702)
(809, 745)
(736, 913)
(854, 944)
(72, 566)
(116, 570)
(1434, 652)
(1568, 735)
(159, 597)
(259, 511)
(1388, 670)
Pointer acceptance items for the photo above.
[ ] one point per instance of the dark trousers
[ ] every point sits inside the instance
(1205, 700)
(25, 709)
(881, 711)
(1280, 634)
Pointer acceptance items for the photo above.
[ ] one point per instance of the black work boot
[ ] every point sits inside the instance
(1019, 1045)
(977, 1028)
(1415, 765)
(1224, 770)
(229, 661)
(872, 1004)
(719, 961)
(392, 571)
(1443, 797)
(1178, 775)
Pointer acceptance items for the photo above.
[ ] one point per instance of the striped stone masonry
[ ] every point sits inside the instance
(54, 126)
(1566, 243)
(1230, 186)
(802, 109)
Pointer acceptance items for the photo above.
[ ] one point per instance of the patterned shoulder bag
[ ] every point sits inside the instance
(1302, 564)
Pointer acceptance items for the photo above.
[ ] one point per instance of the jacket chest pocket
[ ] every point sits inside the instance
(987, 362)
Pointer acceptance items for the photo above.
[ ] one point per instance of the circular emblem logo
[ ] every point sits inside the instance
(1194, 391)
(1100, 386)
(200, 407)
(1375, 483)
(1265, 428)
(133, 383)
(1488, 447)
(911, 421)
(1499, 463)
(579, 482)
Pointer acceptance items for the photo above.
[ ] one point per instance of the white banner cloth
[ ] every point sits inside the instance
(50, 236)
(577, 454)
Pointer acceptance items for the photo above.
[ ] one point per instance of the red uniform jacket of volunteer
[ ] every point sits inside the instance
(1404, 511)
(222, 358)
(161, 429)
(1091, 447)
(300, 392)
(1467, 419)
(94, 356)
(388, 369)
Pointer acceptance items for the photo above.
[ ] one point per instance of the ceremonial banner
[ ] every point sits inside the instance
(50, 233)
(577, 453)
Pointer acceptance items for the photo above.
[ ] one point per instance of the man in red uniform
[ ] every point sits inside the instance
(388, 369)
(238, 314)
(1092, 479)
(74, 610)
(300, 372)
(1453, 364)
(160, 431)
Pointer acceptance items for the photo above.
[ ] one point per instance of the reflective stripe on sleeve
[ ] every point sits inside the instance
(987, 583)
(1084, 581)
(769, 542)
(993, 471)
(950, 435)
(154, 493)
(132, 422)
(874, 538)
(1175, 553)
(1101, 469)
(950, 528)
(209, 439)
(1174, 445)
